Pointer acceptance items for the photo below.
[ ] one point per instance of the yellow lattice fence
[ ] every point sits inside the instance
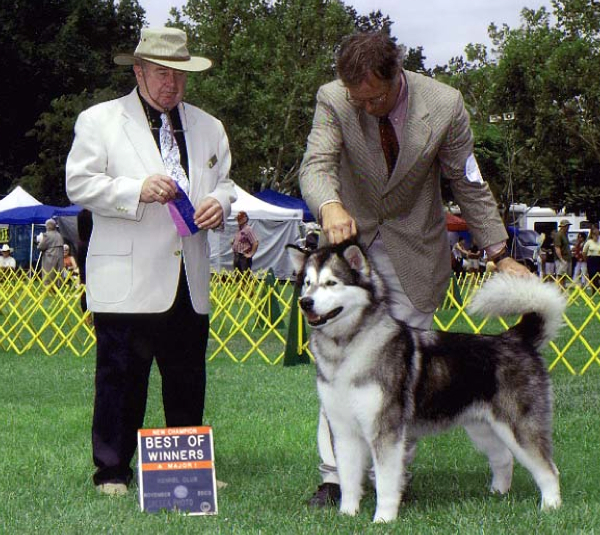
(252, 318)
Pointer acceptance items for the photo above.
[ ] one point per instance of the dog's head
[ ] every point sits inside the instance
(337, 284)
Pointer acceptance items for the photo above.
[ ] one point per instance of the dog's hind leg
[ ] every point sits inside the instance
(499, 456)
(388, 461)
(533, 452)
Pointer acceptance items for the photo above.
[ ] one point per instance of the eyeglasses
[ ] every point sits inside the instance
(373, 101)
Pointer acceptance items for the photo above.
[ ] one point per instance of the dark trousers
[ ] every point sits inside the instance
(241, 262)
(593, 265)
(126, 346)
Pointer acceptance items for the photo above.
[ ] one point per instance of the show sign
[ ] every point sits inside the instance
(176, 470)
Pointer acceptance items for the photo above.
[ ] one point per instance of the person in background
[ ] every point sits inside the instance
(459, 254)
(539, 256)
(591, 254)
(473, 256)
(562, 251)
(50, 243)
(580, 267)
(382, 140)
(549, 256)
(70, 267)
(6, 260)
(147, 273)
(244, 245)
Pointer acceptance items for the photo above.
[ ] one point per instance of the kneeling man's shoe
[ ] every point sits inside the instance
(112, 489)
(327, 494)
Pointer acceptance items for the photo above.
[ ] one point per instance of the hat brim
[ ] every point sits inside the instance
(193, 64)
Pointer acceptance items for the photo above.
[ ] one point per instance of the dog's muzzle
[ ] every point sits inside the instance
(315, 320)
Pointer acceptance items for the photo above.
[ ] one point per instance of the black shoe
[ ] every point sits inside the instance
(327, 494)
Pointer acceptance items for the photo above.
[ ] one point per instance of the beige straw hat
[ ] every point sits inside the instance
(166, 47)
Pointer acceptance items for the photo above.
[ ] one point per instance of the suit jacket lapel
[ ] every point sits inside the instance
(195, 148)
(374, 158)
(415, 137)
(135, 125)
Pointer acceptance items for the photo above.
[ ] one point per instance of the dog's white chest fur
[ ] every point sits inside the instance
(348, 392)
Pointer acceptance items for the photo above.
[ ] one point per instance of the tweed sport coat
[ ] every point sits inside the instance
(344, 161)
(134, 255)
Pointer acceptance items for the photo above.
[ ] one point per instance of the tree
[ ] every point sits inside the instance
(53, 48)
(550, 77)
(44, 178)
(270, 58)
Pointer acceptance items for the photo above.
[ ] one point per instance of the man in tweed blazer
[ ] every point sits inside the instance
(394, 206)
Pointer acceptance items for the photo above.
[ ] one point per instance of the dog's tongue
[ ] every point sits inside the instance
(313, 319)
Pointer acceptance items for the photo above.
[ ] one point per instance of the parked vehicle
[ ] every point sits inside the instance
(545, 220)
(524, 245)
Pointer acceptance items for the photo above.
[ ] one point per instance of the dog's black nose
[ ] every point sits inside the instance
(307, 303)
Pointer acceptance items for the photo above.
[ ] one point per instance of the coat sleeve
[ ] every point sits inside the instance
(87, 182)
(319, 172)
(471, 192)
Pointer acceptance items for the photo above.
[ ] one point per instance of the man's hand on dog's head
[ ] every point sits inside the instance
(512, 267)
(337, 224)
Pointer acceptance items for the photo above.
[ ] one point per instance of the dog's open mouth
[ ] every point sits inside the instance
(314, 320)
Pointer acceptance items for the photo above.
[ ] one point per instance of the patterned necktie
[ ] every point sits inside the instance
(169, 150)
(389, 142)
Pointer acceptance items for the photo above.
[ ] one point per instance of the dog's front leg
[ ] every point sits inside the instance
(388, 455)
(351, 455)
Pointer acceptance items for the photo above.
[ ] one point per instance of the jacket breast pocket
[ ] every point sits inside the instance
(109, 271)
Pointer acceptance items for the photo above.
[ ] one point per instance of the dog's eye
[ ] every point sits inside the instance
(306, 283)
(330, 283)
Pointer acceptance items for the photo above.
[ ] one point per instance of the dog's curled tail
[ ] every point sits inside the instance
(505, 295)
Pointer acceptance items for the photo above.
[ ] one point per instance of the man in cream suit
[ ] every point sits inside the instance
(148, 278)
(381, 142)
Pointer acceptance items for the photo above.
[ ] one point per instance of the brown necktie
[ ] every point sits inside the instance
(389, 142)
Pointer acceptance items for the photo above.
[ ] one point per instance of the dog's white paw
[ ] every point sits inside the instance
(381, 517)
(551, 502)
(502, 478)
(350, 511)
(500, 487)
(350, 504)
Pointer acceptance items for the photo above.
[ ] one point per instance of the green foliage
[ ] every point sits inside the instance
(270, 58)
(549, 77)
(44, 179)
(53, 48)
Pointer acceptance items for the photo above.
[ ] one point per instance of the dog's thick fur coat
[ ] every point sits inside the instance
(383, 384)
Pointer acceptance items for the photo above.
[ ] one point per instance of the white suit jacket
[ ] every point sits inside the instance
(135, 253)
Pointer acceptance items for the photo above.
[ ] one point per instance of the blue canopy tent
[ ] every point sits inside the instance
(32, 215)
(285, 201)
(37, 214)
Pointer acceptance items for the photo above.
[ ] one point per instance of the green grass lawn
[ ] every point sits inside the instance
(264, 420)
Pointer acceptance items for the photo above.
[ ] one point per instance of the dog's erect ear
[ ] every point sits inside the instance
(356, 259)
(297, 256)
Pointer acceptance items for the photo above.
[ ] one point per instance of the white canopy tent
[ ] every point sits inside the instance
(274, 226)
(18, 198)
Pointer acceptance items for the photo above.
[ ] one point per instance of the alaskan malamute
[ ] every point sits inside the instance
(382, 384)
